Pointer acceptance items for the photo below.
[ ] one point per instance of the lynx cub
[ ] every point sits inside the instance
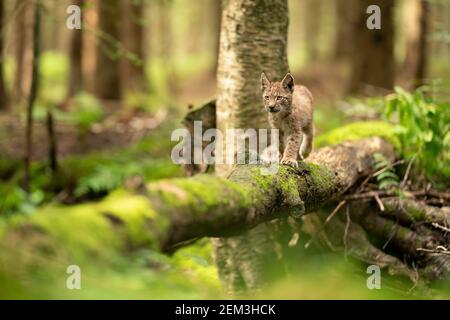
(290, 110)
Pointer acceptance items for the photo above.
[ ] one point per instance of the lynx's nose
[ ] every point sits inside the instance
(271, 108)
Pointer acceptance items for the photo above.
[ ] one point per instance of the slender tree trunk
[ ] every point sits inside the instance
(76, 59)
(52, 146)
(133, 38)
(54, 40)
(89, 59)
(345, 15)
(416, 55)
(24, 51)
(253, 39)
(3, 93)
(32, 97)
(373, 65)
(108, 55)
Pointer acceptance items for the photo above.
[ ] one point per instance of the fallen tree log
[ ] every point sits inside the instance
(164, 214)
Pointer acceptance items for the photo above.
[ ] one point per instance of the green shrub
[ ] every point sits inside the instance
(422, 128)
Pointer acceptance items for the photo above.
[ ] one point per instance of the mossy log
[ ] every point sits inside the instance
(413, 229)
(165, 214)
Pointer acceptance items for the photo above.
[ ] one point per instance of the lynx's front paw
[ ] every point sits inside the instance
(290, 162)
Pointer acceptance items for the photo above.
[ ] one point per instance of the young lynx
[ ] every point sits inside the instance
(290, 110)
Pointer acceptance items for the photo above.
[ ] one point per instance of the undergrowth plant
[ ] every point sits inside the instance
(422, 126)
(388, 179)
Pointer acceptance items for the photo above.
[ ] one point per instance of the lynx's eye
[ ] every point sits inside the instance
(266, 97)
(279, 98)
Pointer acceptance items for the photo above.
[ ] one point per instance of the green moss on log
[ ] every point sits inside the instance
(359, 130)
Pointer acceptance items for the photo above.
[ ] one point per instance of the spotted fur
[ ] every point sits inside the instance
(290, 109)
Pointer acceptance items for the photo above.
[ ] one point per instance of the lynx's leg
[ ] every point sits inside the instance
(291, 151)
(307, 143)
(281, 145)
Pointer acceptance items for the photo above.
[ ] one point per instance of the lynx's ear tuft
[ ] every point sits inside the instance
(288, 82)
(265, 82)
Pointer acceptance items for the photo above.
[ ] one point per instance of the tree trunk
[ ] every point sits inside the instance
(416, 54)
(133, 38)
(373, 67)
(253, 39)
(24, 49)
(108, 55)
(76, 59)
(52, 144)
(345, 16)
(33, 95)
(89, 55)
(3, 93)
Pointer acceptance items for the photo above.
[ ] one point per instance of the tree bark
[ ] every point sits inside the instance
(253, 39)
(133, 38)
(373, 67)
(24, 49)
(76, 59)
(33, 94)
(108, 56)
(3, 92)
(345, 16)
(52, 144)
(416, 54)
(89, 55)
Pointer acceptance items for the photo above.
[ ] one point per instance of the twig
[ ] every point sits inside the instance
(347, 226)
(435, 251)
(408, 169)
(377, 173)
(328, 219)
(369, 194)
(380, 204)
(393, 233)
(436, 225)
(432, 193)
(332, 214)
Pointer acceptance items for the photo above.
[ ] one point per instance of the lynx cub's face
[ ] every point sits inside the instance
(277, 96)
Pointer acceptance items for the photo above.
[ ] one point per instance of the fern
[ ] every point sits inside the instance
(423, 128)
(388, 179)
(104, 179)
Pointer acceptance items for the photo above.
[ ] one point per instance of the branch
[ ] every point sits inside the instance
(163, 214)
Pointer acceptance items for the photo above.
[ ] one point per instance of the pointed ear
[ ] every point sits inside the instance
(265, 82)
(288, 82)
